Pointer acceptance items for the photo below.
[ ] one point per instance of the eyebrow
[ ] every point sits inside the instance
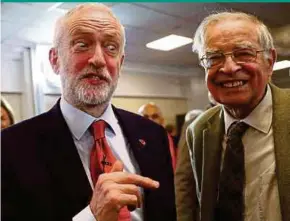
(212, 51)
(245, 44)
(111, 34)
(82, 30)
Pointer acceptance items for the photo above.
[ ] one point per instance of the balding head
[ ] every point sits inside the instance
(81, 11)
(152, 112)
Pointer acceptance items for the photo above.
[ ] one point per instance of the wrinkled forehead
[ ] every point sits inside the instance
(90, 19)
(238, 32)
(94, 17)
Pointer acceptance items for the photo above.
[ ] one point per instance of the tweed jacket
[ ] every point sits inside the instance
(198, 164)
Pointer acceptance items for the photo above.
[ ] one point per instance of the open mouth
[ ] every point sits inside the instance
(94, 77)
(233, 84)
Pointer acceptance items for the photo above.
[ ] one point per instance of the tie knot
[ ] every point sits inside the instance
(237, 129)
(98, 129)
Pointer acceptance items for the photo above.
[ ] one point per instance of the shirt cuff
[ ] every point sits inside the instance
(85, 215)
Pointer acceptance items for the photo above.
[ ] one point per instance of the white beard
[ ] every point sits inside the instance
(81, 93)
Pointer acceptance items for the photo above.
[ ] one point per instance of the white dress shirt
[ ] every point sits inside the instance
(79, 123)
(261, 189)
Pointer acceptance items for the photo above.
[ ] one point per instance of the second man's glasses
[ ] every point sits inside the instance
(239, 56)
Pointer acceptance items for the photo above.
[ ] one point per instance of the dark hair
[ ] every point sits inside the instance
(8, 109)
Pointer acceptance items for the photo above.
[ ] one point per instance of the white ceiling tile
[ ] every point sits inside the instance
(133, 15)
(140, 36)
(20, 13)
(42, 30)
(42, 5)
(182, 10)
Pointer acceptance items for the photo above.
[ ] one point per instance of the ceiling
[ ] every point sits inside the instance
(24, 24)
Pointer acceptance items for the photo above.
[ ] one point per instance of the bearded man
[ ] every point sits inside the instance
(85, 159)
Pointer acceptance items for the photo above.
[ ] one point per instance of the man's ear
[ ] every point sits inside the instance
(272, 57)
(53, 58)
(271, 60)
(122, 60)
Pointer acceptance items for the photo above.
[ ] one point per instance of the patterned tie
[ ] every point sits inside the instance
(102, 160)
(231, 206)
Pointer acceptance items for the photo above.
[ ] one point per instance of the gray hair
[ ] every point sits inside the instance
(60, 24)
(265, 38)
(192, 114)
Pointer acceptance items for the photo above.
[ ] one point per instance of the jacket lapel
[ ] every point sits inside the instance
(153, 160)
(281, 130)
(212, 140)
(137, 143)
(63, 162)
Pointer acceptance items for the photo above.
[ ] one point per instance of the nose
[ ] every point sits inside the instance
(98, 58)
(229, 66)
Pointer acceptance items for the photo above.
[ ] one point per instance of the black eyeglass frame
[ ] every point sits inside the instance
(205, 64)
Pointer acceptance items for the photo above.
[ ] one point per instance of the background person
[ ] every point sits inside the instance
(7, 116)
(152, 112)
(171, 130)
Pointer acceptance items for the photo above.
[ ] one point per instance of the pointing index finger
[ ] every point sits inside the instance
(141, 181)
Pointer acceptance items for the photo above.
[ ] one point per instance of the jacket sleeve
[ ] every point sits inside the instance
(185, 194)
(172, 150)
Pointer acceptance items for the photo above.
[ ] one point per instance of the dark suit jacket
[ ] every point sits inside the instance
(198, 164)
(43, 177)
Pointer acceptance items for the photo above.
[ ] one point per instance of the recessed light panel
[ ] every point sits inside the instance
(169, 42)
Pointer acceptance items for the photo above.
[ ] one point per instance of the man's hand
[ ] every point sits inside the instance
(117, 189)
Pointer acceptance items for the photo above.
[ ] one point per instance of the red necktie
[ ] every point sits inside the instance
(102, 160)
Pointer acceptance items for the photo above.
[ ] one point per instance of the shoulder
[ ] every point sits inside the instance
(201, 122)
(212, 118)
(29, 129)
(279, 94)
(28, 125)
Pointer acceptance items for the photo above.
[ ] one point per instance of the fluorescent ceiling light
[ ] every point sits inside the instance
(169, 42)
(54, 6)
(281, 65)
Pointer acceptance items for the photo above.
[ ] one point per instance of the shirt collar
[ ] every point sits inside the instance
(79, 121)
(255, 119)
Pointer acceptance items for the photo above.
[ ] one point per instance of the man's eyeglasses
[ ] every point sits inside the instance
(239, 56)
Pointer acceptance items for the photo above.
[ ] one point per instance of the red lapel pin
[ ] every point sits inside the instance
(142, 142)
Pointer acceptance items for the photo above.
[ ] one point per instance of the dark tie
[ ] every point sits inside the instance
(230, 205)
(102, 160)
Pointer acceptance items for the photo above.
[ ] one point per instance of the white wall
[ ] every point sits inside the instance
(195, 90)
(11, 75)
(136, 81)
(147, 85)
(12, 85)
(133, 84)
